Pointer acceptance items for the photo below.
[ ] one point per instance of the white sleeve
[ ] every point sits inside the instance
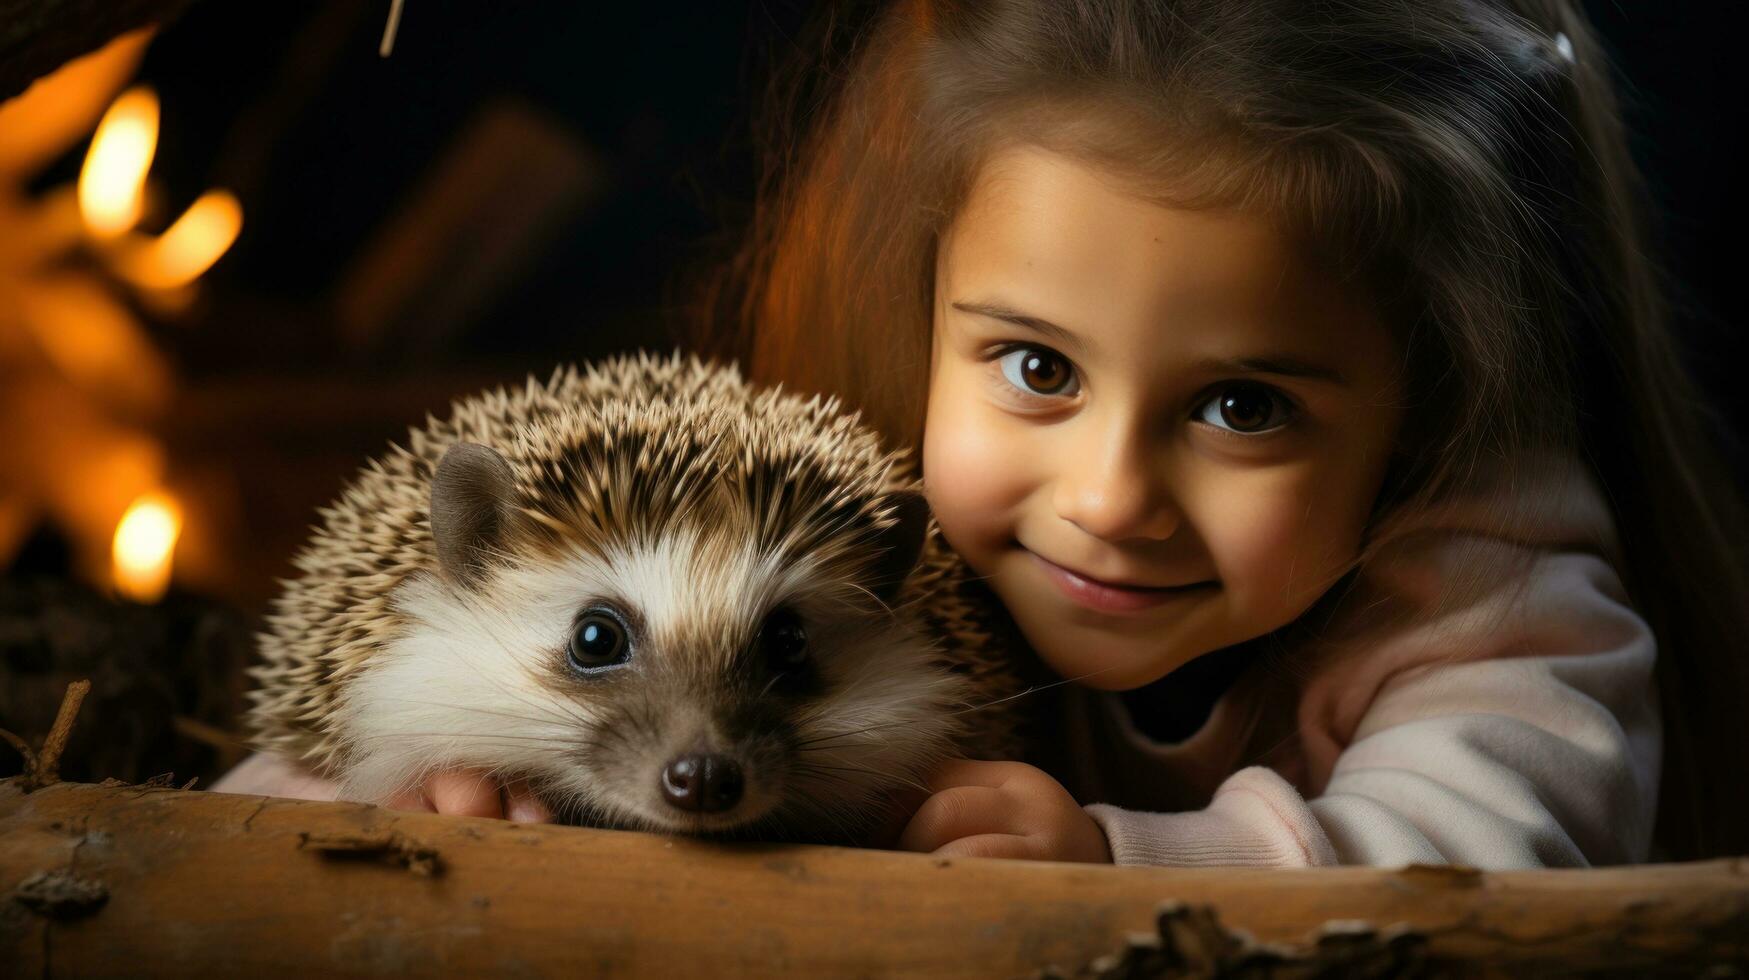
(1544, 754)
(1256, 820)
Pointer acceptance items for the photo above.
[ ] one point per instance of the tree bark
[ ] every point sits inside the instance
(103, 880)
(38, 36)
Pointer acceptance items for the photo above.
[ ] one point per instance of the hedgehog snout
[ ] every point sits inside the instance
(702, 783)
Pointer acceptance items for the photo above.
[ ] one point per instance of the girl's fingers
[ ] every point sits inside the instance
(473, 793)
(973, 772)
(991, 846)
(411, 798)
(522, 806)
(466, 793)
(963, 811)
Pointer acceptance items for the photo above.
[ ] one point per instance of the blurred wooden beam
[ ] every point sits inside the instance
(510, 180)
(38, 36)
(129, 880)
(257, 453)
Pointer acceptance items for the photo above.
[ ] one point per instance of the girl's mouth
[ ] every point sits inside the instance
(1111, 597)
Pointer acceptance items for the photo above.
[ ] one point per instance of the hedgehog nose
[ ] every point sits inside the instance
(702, 783)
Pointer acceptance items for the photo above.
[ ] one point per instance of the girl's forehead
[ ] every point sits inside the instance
(1061, 240)
(1030, 205)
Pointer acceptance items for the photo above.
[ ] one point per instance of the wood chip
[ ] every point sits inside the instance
(61, 894)
(389, 848)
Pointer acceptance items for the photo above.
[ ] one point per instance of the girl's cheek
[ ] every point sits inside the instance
(973, 474)
(1278, 544)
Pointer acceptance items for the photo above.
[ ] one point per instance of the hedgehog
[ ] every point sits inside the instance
(667, 598)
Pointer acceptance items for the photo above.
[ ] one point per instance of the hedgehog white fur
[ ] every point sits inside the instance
(796, 641)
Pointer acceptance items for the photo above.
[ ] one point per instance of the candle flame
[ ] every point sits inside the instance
(113, 180)
(144, 541)
(191, 245)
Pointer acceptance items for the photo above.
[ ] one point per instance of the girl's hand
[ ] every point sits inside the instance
(1003, 809)
(474, 793)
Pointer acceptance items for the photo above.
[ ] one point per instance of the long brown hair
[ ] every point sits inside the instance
(1463, 160)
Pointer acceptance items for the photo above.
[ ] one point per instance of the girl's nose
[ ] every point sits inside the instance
(1117, 492)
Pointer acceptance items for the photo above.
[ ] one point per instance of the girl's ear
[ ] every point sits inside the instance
(471, 497)
(901, 544)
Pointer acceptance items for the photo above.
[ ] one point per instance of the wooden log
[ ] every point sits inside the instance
(38, 36)
(126, 880)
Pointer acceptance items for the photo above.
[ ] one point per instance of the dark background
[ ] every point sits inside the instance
(662, 92)
(648, 105)
(1681, 79)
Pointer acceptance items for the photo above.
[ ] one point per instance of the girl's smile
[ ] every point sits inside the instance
(1156, 431)
(1109, 596)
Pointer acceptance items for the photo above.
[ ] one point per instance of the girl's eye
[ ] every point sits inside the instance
(782, 641)
(1246, 408)
(1038, 371)
(599, 640)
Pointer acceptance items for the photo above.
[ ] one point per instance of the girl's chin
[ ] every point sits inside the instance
(1108, 677)
(1107, 661)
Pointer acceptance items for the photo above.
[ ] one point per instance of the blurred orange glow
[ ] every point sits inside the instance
(112, 182)
(144, 541)
(191, 245)
(59, 109)
(94, 342)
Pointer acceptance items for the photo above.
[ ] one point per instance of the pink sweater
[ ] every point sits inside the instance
(1480, 697)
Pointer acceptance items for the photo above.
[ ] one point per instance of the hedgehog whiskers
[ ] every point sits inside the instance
(809, 767)
(471, 738)
(845, 818)
(565, 711)
(465, 707)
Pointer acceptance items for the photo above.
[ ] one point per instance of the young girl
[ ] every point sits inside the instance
(1294, 374)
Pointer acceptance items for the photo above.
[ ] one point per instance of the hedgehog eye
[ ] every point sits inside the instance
(782, 641)
(599, 640)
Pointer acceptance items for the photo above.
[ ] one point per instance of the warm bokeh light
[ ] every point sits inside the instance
(60, 109)
(112, 182)
(91, 339)
(191, 245)
(144, 541)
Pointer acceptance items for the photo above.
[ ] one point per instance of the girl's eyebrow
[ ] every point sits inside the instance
(1061, 335)
(1287, 367)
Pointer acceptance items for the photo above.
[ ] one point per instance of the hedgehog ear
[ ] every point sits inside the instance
(471, 495)
(901, 544)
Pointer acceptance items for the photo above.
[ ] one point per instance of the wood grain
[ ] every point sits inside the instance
(197, 883)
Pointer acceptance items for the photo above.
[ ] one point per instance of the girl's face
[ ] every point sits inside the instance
(1156, 431)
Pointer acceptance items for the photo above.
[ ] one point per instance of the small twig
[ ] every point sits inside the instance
(47, 770)
(23, 748)
(389, 29)
(211, 736)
